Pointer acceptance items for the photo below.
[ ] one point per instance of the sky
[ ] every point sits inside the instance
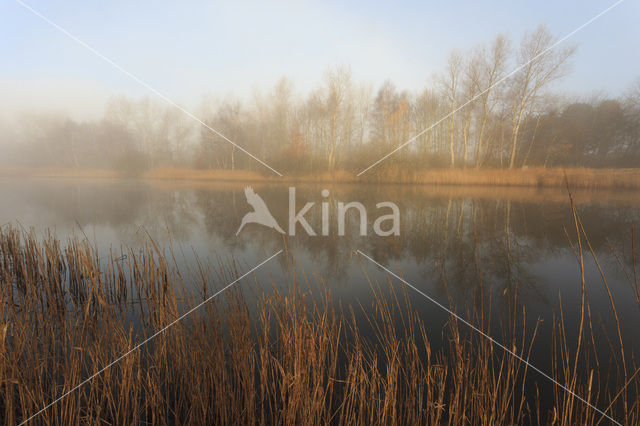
(190, 48)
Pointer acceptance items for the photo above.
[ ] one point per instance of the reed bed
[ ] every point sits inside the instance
(58, 172)
(290, 355)
(584, 178)
(531, 177)
(521, 177)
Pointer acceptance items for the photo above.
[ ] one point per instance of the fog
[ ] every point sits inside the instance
(514, 120)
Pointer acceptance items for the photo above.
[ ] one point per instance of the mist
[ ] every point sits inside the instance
(471, 114)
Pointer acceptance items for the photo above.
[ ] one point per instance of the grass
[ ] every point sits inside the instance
(59, 172)
(531, 177)
(289, 355)
(490, 177)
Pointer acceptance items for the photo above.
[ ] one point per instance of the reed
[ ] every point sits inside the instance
(532, 177)
(491, 177)
(58, 172)
(527, 177)
(263, 353)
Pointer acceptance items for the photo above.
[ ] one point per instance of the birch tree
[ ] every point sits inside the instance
(492, 68)
(541, 64)
(450, 83)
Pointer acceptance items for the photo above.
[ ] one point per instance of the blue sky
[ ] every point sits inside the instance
(188, 48)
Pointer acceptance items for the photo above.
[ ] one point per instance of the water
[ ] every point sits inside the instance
(463, 246)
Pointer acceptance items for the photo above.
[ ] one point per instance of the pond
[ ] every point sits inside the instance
(474, 250)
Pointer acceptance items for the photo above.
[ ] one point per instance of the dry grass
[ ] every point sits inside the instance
(58, 173)
(529, 177)
(199, 175)
(541, 177)
(170, 173)
(295, 357)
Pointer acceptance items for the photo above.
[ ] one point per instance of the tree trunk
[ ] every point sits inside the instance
(451, 140)
(514, 141)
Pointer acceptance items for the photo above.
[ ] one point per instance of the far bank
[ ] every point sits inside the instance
(527, 177)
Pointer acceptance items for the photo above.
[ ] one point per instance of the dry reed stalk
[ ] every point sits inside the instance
(288, 356)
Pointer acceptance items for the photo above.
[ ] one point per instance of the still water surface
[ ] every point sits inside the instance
(462, 246)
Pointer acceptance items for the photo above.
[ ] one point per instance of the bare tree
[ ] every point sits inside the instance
(227, 119)
(340, 111)
(363, 96)
(384, 104)
(492, 67)
(450, 83)
(425, 113)
(541, 65)
(470, 89)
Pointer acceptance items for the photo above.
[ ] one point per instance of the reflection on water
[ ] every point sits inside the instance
(466, 245)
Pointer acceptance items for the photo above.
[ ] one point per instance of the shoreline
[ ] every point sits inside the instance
(628, 179)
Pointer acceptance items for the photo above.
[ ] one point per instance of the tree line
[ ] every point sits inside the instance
(493, 105)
